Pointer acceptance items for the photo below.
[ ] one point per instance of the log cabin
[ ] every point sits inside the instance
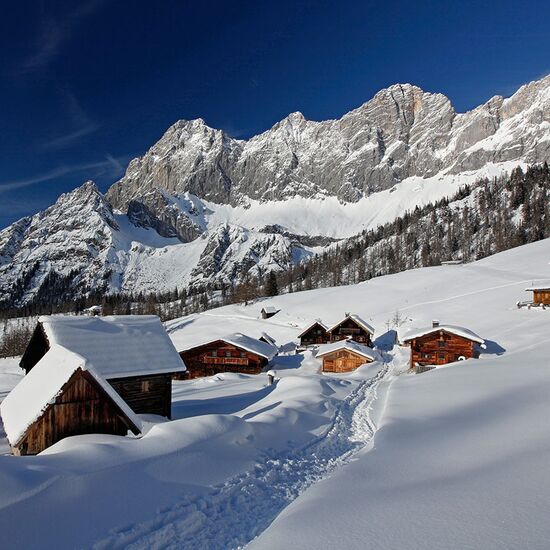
(265, 337)
(352, 327)
(441, 344)
(233, 353)
(345, 356)
(62, 396)
(314, 334)
(269, 311)
(132, 352)
(541, 295)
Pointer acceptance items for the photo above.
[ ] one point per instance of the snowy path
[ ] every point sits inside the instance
(234, 513)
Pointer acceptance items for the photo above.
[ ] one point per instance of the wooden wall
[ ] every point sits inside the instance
(146, 394)
(440, 348)
(541, 297)
(315, 335)
(82, 408)
(343, 361)
(221, 356)
(350, 328)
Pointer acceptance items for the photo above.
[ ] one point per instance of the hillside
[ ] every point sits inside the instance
(203, 211)
(462, 445)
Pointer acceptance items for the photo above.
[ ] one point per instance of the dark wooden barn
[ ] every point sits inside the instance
(63, 396)
(441, 344)
(345, 356)
(352, 327)
(269, 311)
(233, 353)
(314, 334)
(132, 352)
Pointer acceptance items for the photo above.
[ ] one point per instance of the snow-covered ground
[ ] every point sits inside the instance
(453, 458)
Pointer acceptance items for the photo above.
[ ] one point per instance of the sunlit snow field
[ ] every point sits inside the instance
(453, 458)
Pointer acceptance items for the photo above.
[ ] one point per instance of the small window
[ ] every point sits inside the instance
(228, 354)
(243, 354)
(442, 343)
(214, 353)
(145, 385)
(442, 356)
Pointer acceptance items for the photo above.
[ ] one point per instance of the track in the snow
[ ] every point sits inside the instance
(239, 510)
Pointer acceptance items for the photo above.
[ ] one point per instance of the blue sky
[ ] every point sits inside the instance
(87, 85)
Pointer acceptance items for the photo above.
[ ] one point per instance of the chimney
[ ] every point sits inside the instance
(435, 323)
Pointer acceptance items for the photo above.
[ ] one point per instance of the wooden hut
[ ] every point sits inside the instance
(63, 396)
(269, 311)
(233, 353)
(345, 356)
(132, 352)
(265, 337)
(441, 344)
(541, 295)
(352, 327)
(314, 334)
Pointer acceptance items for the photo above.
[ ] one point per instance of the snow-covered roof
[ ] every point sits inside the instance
(116, 346)
(270, 309)
(361, 322)
(541, 287)
(311, 325)
(453, 329)
(269, 339)
(349, 345)
(244, 342)
(41, 387)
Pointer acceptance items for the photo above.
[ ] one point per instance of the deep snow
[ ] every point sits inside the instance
(456, 457)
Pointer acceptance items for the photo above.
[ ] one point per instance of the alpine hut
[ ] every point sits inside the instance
(314, 334)
(441, 344)
(233, 353)
(132, 352)
(541, 295)
(265, 337)
(352, 327)
(63, 395)
(269, 311)
(345, 356)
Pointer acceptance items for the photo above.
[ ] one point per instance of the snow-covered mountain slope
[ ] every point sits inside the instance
(200, 207)
(402, 132)
(319, 460)
(79, 244)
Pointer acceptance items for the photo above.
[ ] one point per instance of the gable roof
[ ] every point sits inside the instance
(361, 322)
(453, 329)
(541, 287)
(348, 345)
(244, 342)
(309, 327)
(40, 388)
(116, 346)
(270, 309)
(269, 339)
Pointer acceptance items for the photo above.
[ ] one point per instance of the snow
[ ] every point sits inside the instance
(349, 345)
(453, 458)
(269, 309)
(244, 342)
(358, 320)
(40, 388)
(116, 346)
(453, 329)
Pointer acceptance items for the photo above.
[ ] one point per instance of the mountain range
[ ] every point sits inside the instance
(202, 208)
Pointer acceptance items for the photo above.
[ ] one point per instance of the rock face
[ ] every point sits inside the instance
(401, 132)
(202, 208)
